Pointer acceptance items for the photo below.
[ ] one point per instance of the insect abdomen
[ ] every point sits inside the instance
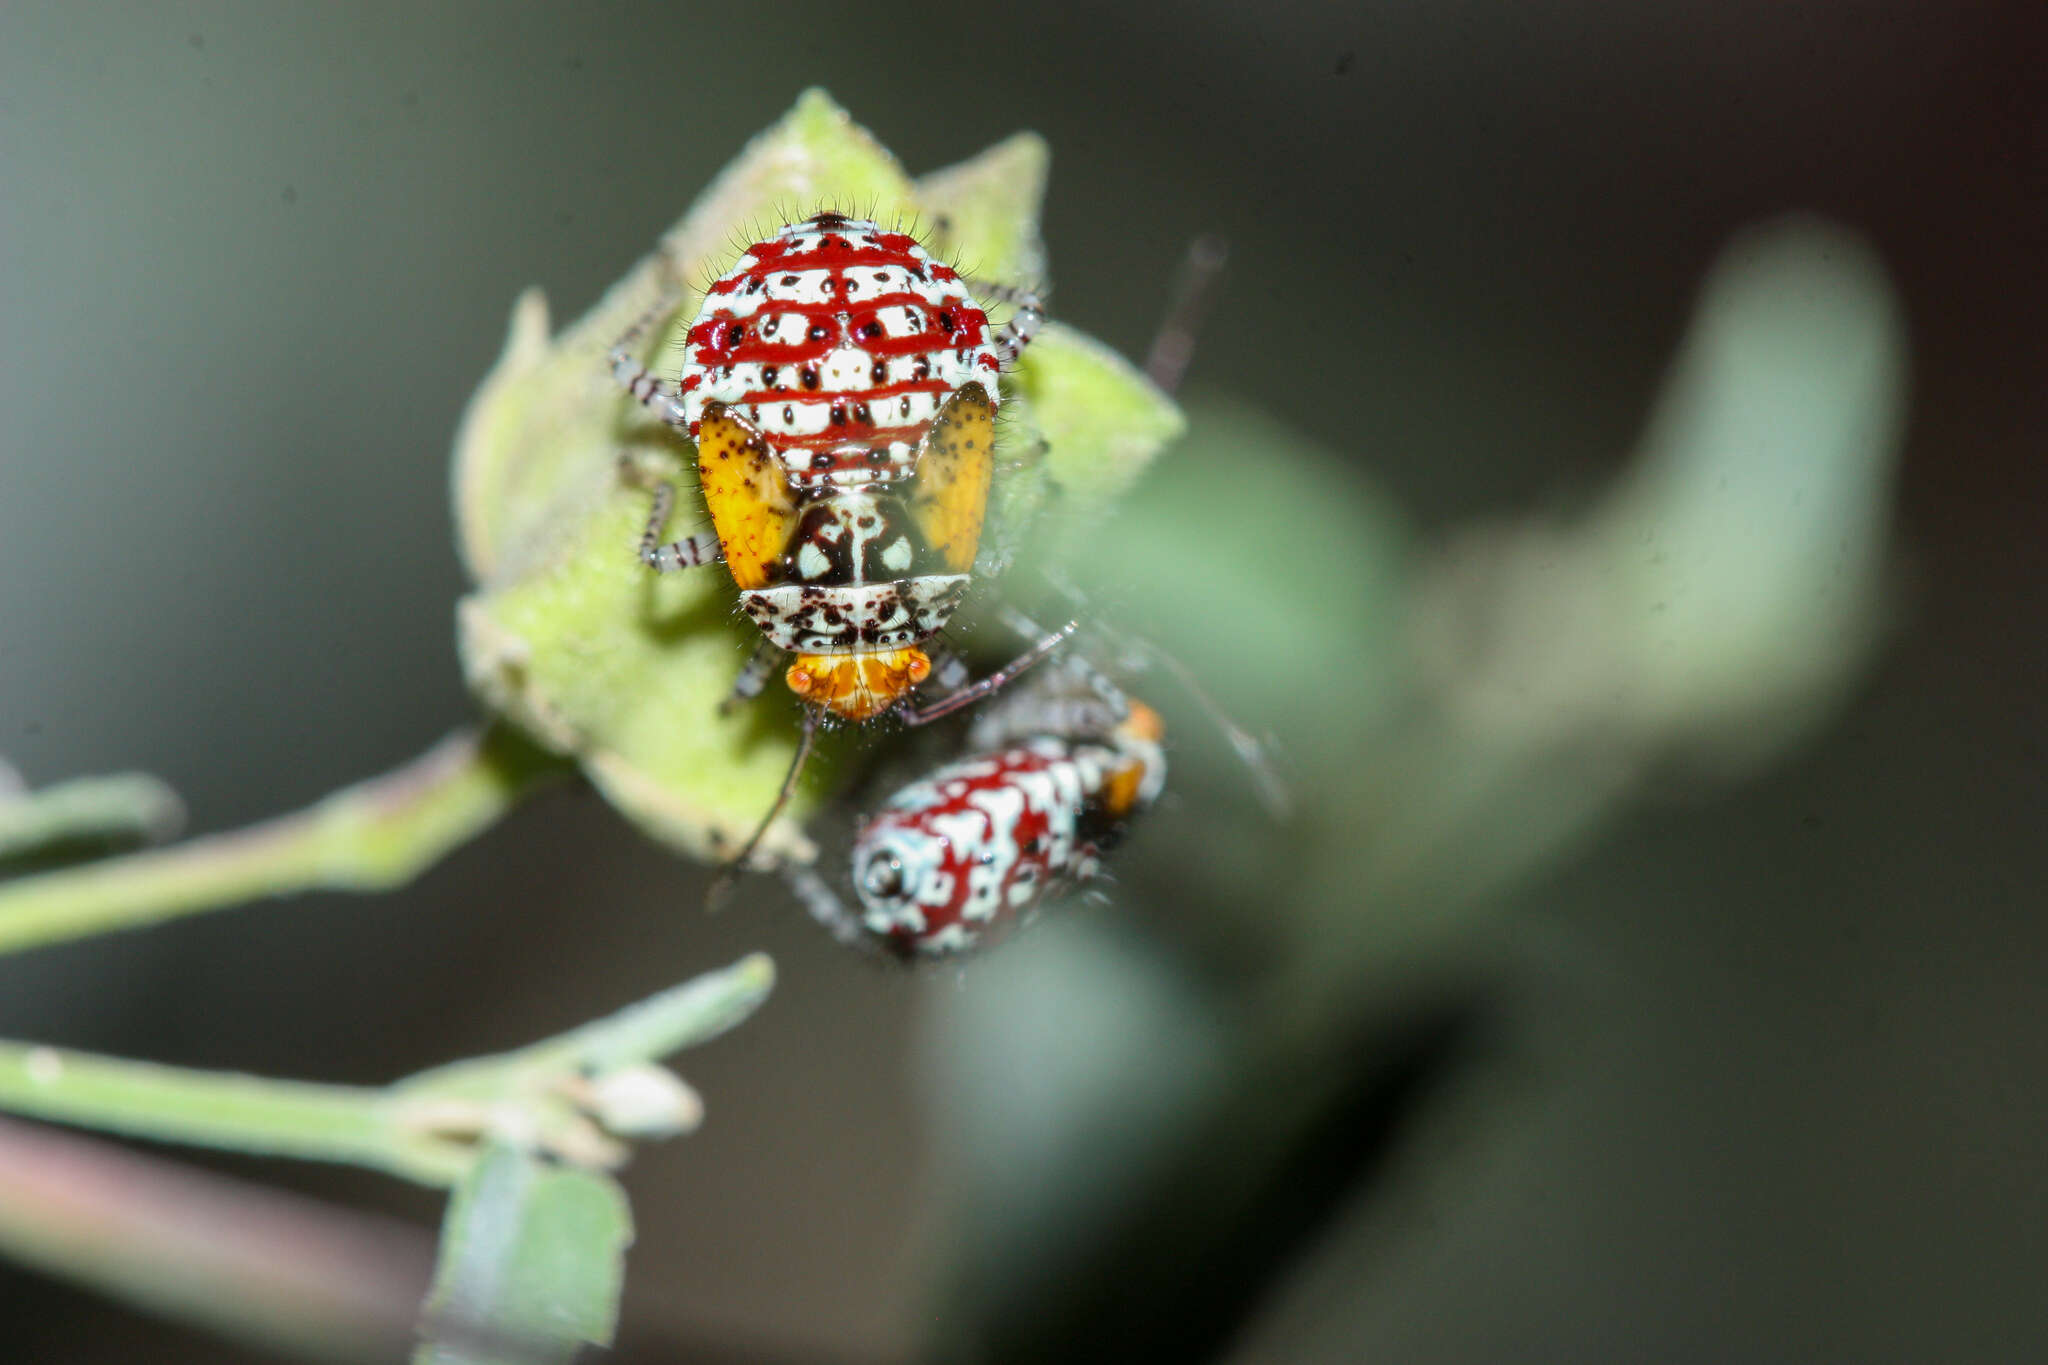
(840, 342)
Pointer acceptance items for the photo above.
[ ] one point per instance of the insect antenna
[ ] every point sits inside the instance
(1256, 756)
(1194, 289)
(722, 884)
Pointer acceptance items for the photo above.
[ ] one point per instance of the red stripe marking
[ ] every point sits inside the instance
(952, 303)
(852, 434)
(880, 394)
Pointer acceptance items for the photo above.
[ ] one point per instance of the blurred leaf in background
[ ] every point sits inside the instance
(1463, 715)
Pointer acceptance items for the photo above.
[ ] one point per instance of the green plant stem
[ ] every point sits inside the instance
(423, 1128)
(368, 837)
(250, 1114)
(682, 1016)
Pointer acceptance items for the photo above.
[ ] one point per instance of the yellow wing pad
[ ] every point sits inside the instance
(748, 496)
(949, 495)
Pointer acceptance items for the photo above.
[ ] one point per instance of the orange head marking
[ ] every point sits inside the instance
(1143, 723)
(858, 686)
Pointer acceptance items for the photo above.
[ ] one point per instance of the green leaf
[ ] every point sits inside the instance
(580, 1096)
(1712, 602)
(1101, 422)
(1747, 544)
(984, 212)
(531, 1266)
(369, 837)
(87, 811)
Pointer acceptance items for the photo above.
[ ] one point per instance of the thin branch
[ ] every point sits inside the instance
(252, 1114)
(575, 1096)
(255, 1264)
(682, 1016)
(373, 836)
(120, 808)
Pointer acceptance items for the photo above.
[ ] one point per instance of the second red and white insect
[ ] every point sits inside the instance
(964, 854)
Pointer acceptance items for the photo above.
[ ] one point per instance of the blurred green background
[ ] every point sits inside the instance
(1590, 1010)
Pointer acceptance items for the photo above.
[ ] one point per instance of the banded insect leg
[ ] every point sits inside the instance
(687, 553)
(1073, 699)
(1027, 315)
(753, 678)
(827, 907)
(647, 388)
(949, 673)
(994, 682)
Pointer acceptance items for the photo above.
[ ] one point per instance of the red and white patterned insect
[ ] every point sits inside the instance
(840, 384)
(841, 387)
(961, 856)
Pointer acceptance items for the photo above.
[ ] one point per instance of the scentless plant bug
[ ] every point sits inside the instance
(840, 384)
(1054, 774)
(966, 853)
(841, 387)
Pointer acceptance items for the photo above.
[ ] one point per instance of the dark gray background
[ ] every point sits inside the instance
(253, 259)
